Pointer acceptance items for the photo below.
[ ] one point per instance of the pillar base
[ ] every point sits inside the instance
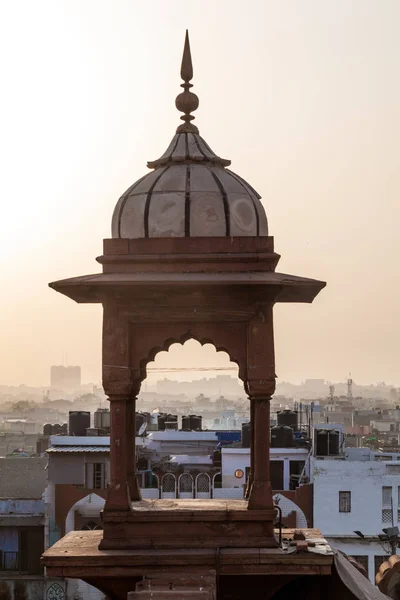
(166, 524)
(118, 498)
(260, 497)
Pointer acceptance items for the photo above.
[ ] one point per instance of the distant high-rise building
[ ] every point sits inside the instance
(65, 378)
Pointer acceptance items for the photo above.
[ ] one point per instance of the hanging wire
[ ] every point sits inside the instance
(179, 369)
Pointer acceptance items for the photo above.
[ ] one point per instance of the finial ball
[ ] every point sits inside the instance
(187, 102)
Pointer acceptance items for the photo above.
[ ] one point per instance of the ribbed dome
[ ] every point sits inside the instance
(190, 192)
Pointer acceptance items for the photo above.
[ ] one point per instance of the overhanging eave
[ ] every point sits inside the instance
(278, 286)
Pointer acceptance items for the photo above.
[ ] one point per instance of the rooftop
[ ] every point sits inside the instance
(22, 477)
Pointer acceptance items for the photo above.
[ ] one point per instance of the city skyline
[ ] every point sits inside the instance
(318, 140)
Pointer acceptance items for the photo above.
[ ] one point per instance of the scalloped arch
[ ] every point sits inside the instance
(185, 337)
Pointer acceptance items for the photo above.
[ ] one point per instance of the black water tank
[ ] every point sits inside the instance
(56, 429)
(196, 423)
(186, 423)
(246, 431)
(79, 421)
(281, 436)
(162, 417)
(288, 417)
(140, 418)
(64, 429)
(322, 442)
(47, 429)
(147, 417)
(171, 418)
(334, 442)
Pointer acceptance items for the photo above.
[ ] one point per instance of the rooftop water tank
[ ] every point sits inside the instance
(79, 421)
(288, 417)
(139, 420)
(102, 418)
(47, 429)
(281, 436)
(186, 423)
(196, 423)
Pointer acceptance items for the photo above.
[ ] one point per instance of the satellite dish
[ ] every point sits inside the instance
(142, 428)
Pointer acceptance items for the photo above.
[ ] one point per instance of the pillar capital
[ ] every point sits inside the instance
(260, 389)
(120, 382)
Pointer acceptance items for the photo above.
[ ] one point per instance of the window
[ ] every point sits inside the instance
(393, 469)
(91, 526)
(398, 504)
(345, 502)
(95, 476)
(296, 471)
(296, 467)
(379, 560)
(363, 561)
(98, 470)
(276, 474)
(387, 496)
(387, 507)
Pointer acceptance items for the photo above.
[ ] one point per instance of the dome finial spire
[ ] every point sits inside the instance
(186, 101)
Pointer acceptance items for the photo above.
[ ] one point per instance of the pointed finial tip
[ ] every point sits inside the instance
(186, 101)
(186, 66)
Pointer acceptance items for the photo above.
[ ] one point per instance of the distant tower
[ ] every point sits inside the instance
(331, 392)
(65, 378)
(349, 387)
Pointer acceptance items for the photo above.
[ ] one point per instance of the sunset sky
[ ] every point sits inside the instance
(302, 95)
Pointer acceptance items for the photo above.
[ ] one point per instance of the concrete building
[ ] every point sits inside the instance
(22, 524)
(385, 425)
(24, 426)
(13, 440)
(359, 491)
(65, 378)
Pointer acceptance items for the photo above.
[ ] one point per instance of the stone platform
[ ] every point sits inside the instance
(78, 555)
(120, 571)
(189, 524)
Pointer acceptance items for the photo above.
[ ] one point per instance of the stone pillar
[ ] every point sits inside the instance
(250, 478)
(260, 387)
(121, 449)
(122, 386)
(261, 492)
(134, 488)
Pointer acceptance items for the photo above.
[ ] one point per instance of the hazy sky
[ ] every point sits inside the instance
(302, 95)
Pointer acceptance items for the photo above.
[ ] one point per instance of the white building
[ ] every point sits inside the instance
(357, 491)
(285, 462)
(385, 425)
